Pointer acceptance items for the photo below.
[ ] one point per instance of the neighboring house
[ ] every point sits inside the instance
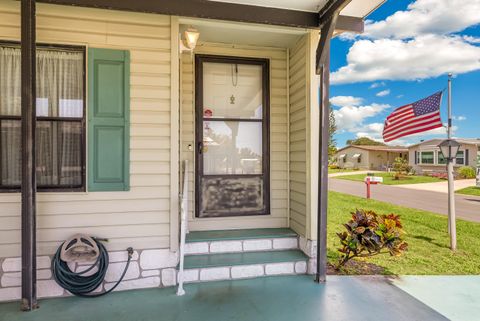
(369, 157)
(425, 157)
(120, 108)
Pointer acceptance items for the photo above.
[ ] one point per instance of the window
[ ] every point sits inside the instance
(440, 159)
(427, 157)
(460, 160)
(232, 108)
(358, 157)
(60, 137)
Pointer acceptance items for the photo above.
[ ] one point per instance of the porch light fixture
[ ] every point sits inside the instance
(191, 37)
(449, 149)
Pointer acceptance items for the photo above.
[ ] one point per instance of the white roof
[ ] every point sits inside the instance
(357, 155)
(342, 156)
(356, 8)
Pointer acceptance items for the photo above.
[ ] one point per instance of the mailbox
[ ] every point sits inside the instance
(374, 179)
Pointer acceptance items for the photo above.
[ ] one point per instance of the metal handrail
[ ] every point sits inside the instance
(183, 227)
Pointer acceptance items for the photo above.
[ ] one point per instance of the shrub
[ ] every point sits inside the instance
(333, 166)
(369, 234)
(401, 167)
(466, 172)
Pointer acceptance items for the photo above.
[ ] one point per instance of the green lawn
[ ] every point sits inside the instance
(389, 180)
(472, 190)
(341, 170)
(427, 237)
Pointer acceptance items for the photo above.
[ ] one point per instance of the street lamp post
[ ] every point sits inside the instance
(449, 149)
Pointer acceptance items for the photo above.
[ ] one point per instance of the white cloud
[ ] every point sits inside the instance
(427, 17)
(377, 84)
(459, 118)
(352, 118)
(471, 39)
(383, 93)
(341, 101)
(420, 58)
(417, 43)
(399, 96)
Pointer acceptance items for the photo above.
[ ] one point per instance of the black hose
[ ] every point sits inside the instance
(77, 283)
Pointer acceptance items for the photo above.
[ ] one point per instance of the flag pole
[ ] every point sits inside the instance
(452, 229)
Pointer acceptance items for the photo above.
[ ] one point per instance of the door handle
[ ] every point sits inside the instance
(200, 148)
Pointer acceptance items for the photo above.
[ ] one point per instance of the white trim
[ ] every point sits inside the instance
(174, 134)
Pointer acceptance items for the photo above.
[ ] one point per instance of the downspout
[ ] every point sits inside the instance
(28, 56)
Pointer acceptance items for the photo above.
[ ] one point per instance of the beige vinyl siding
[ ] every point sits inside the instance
(278, 135)
(140, 217)
(350, 162)
(298, 136)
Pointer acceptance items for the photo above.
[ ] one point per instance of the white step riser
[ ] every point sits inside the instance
(237, 246)
(238, 272)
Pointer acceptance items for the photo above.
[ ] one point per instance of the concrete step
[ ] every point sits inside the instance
(229, 266)
(237, 241)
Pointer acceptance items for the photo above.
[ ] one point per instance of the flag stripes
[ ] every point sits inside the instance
(414, 118)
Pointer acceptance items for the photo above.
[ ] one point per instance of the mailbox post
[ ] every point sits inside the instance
(372, 180)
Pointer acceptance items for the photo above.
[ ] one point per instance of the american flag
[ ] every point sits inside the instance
(414, 118)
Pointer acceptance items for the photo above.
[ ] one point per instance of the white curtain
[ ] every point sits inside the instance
(60, 91)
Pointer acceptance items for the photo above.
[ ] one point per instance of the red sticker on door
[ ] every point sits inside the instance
(207, 113)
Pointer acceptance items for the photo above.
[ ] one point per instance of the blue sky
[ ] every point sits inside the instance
(404, 55)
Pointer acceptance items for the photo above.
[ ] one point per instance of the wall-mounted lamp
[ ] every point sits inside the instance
(191, 38)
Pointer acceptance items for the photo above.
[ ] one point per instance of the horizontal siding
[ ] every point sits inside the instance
(278, 136)
(298, 134)
(140, 217)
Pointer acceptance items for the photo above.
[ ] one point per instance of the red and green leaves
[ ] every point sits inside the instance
(368, 234)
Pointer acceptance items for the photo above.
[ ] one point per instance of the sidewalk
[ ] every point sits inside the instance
(456, 297)
(441, 187)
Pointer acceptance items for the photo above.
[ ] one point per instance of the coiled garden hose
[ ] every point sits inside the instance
(80, 284)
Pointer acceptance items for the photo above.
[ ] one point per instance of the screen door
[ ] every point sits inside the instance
(232, 154)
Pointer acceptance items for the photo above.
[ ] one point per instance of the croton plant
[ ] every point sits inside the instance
(369, 234)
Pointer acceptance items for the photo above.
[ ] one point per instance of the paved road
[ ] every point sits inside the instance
(467, 207)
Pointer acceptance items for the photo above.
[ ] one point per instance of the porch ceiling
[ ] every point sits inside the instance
(217, 31)
(356, 8)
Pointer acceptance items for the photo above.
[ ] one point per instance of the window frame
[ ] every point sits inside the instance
(82, 121)
(199, 59)
(439, 154)
(427, 151)
(463, 157)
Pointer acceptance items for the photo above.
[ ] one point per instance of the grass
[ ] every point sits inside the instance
(427, 237)
(341, 170)
(388, 179)
(472, 190)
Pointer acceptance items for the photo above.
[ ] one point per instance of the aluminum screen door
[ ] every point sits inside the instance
(232, 154)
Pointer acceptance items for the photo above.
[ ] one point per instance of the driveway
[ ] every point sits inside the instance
(441, 187)
(467, 207)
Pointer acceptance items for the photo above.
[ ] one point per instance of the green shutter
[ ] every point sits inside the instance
(108, 120)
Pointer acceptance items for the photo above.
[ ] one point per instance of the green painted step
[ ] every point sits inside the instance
(224, 235)
(245, 258)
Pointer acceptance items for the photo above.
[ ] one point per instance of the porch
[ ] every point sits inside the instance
(280, 298)
(129, 178)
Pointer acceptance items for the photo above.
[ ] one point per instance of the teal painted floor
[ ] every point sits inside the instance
(245, 258)
(223, 235)
(288, 298)
(455, 296)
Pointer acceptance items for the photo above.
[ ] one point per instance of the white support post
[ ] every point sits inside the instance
(183, 227)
